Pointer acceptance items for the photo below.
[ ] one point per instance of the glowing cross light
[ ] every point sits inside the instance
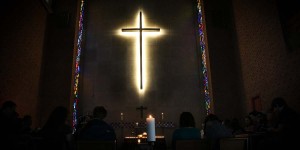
(140, 29)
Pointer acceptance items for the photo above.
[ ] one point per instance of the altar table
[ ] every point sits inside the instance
(140, 143)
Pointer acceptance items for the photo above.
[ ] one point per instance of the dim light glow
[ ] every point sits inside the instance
(77, 66)
(145, 51)
(204, 56)
(136, 55)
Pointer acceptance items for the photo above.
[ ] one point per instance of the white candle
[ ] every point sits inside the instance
(122, 117)
(162, 116)
(150, 129)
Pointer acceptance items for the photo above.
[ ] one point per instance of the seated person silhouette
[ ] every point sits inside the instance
(9, 118)
(10, 124)
(214, 129)
(186, 130)
(56, 133)
(96, 128)
(284, 131)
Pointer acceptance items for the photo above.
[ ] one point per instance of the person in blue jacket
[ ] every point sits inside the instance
(97, 128)
(186, 130)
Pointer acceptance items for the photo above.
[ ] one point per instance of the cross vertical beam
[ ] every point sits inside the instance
(141, 51)
(140, 29)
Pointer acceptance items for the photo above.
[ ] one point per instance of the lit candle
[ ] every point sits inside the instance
(150, 129)
(122, 117)
(162, 116)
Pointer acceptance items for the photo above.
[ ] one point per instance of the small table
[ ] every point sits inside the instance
(141, 143)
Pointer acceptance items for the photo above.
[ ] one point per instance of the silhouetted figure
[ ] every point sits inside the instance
(248, 125)
(236, 126)
(186, 130)
(258, 121)
(82, 121)
(214, 130)
(96, 128)
(56, 133)
(284, 132)
(10, 125)
(26, 125)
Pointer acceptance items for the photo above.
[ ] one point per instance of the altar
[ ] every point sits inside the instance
(140, 143)
(140, 127)
(132, 135)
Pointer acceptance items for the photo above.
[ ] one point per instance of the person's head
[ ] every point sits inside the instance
(9, 108)
(211, 119)
(99, 112)
(58, 117)
(255, 116)
(278, 104)
(186, 120)
(248, 121)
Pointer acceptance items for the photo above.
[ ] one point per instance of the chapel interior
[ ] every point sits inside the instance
(251, 54)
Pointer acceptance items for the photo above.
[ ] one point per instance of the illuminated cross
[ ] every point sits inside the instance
(141, 29)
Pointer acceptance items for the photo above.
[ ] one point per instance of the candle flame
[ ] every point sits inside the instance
(150, 116)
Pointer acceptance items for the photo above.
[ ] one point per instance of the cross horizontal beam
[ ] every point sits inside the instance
(140, 29)
(143, 29)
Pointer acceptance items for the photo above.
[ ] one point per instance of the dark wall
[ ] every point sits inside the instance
(37, 55)
(249, 55)
(269, 68)
(174, 78)
(224, 63)
(22, 31)
(289, 15)
(248, 58)
(56, 76)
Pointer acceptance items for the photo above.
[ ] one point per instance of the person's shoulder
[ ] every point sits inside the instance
(289, 112)
(191, 129)
(98, 123)
(67, 129)
(102, 123)
(177, 130)
(176, 133)
(95, 122)
(187, 129)
(187, 133)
